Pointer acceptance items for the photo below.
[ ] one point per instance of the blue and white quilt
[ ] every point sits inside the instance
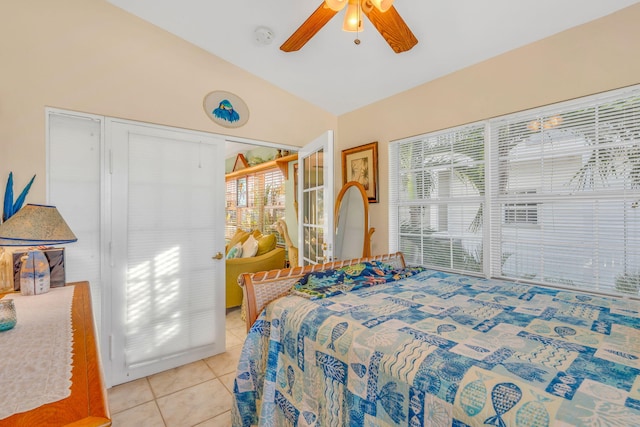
(439, 349)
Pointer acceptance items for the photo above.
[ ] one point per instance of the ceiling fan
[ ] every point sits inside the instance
(381, 13)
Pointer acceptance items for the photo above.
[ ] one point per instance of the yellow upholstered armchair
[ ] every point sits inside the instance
(272, 260)
(266, 257)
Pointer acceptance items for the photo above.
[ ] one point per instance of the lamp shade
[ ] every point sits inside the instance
(336, 5)
(353, 17)
(35, 225)
(382, 5)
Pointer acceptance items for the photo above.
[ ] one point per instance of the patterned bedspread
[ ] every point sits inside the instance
(440, 349)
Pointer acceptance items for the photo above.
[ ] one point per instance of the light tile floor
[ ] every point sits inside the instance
(197, 394)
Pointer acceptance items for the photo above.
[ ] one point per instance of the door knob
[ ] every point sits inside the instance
(218, 256)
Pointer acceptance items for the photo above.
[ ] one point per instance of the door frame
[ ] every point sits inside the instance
(324, 143)
(102, 304)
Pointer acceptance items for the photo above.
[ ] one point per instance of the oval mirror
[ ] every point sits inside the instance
(353, 236)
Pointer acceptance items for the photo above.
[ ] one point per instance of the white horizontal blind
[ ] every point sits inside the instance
(74, 187)
(231, 211)
(265, 203)
(167, 294)
(438, 206)
(273, 201)
(565, 196)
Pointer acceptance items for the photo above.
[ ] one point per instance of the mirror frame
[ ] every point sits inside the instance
(366, 249)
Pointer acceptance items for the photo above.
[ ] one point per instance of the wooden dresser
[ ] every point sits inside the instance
(87, 405)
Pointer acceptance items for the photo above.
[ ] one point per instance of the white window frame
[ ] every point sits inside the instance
(521, 212)
(533, 197)
(443, 155)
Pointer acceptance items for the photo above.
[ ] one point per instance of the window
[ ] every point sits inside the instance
(439, 201)
(255, 201)
(583, 158)
(561, 200)
(521, 213)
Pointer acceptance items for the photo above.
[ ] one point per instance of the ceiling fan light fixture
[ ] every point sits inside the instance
(353, 17)
(336, 5)
(389, 24)
(382, 5)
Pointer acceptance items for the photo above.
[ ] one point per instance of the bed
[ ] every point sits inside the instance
(428, 348)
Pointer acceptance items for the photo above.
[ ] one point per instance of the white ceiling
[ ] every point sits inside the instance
(330, 71)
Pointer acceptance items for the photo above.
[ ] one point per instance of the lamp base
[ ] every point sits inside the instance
(34, 274)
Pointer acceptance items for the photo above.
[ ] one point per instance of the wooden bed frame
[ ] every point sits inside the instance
(260, 288)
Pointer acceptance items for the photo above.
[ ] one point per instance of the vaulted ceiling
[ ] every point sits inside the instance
(334, 73)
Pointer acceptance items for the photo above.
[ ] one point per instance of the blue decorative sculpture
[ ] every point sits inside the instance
(10, 207)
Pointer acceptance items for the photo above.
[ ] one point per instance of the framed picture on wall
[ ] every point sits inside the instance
(241, 192)
(360, 164)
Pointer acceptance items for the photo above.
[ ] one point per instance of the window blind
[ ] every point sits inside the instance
(171, 311)
(262, 203)
(439, 205)
(562, 199)
(565, 194)
(73, 168)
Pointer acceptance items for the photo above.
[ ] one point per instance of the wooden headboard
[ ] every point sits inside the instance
(260, 288)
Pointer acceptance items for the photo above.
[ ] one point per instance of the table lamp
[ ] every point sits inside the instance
(35, 225)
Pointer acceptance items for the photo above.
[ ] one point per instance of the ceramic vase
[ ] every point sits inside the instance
(34, 273)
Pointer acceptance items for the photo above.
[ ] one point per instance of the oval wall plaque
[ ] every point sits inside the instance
(226, 109)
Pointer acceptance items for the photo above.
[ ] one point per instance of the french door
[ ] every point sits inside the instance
(315, 217)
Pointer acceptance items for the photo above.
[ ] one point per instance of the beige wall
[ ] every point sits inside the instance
(595, 57)
(90, 56)
(93, 57)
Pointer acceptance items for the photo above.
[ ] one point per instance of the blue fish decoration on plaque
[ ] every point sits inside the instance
(226, 112)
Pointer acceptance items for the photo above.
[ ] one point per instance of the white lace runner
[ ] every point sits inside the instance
(36, 355)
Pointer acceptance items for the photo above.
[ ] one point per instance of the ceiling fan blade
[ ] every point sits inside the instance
(392, 27)
(309, 28)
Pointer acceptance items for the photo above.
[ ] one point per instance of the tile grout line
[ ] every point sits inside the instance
(230, 329)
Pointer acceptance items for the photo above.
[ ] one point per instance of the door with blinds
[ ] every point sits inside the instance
(166, 309)
(315, 217)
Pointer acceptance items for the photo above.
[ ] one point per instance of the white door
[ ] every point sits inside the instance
(167, 293)
(315, 191)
